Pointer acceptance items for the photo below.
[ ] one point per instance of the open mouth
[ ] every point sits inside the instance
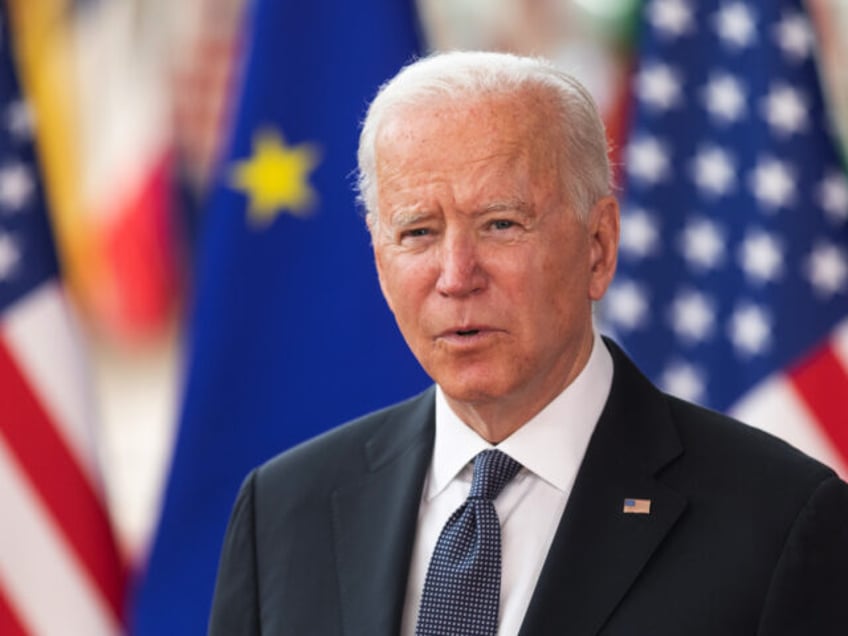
(468, 332)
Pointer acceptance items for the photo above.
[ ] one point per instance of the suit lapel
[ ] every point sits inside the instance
(374, 520)
(598, 551)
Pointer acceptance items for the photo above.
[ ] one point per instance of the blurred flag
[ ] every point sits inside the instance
(289, 334)
(60, 572)
(98, 75)
(732, 287)
(206, 66)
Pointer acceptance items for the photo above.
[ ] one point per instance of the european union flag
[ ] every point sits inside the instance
(289, 334)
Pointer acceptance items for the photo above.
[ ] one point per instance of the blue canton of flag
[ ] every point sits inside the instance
(27, 255)
(733, 264)
(289, 334)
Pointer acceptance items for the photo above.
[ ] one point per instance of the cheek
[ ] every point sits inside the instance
(561, 272)
(572, 268)
(559, 289)
(405, 282)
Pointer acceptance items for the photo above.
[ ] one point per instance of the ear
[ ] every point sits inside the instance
(604, 228)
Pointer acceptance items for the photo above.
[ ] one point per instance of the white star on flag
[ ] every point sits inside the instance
(794, 36)
(761, 257)
(750, 329)
(772, 183)
(785, 109)
(658, 86)
(692, 316)
(724, 98)
(702, 244)
(713, 170)
(16, 186)
(827, 269)
(736, 25)
(626, 304)
(684, 380)
(20, 119)
(671, 18)
(639, 233)
(647, 160)
(832, 194)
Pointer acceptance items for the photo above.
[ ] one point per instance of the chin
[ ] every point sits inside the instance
(473, 378)
(472, 390)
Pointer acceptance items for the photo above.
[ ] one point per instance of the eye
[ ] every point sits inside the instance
(415, 235)
(501, 224)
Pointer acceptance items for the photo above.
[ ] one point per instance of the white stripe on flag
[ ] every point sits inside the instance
(45, 584)
(38, 332)
(775, 407)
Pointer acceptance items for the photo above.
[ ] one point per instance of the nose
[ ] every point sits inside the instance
(461, 273)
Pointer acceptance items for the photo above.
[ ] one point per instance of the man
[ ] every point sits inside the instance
(487, 187)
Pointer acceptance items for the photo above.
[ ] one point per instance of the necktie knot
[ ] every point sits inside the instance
(492, 471)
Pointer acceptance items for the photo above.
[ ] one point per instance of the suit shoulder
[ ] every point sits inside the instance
(736, 448)
(344, 449)
(712, 442)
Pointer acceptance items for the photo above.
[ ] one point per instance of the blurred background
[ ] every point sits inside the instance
(215, 301)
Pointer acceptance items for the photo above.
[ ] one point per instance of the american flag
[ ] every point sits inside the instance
(732, 288)
(637, 506)
(60, 572)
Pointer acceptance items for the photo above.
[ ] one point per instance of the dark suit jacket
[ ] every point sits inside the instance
(745, 535)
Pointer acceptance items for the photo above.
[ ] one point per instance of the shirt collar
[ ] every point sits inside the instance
(551, 444)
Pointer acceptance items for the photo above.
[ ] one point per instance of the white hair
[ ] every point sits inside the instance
(459, 75)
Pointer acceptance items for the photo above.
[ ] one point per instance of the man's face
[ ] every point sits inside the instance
(489, 272)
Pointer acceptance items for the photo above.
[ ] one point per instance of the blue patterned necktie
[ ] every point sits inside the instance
(463, 585)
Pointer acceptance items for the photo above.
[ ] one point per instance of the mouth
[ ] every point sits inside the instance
(466, 334)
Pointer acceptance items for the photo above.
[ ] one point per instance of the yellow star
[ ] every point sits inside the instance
(276, 177)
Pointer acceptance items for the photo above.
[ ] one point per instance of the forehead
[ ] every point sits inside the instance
(521, 120)
(514, 115)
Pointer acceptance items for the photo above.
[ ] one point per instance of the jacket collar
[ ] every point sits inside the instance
(598, 550)
(375, 518)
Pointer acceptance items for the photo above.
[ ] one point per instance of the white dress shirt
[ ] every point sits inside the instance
(550, 447)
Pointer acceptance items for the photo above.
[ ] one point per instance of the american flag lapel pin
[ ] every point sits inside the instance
(637, 506)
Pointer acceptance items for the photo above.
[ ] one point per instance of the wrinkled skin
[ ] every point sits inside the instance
(489, 271)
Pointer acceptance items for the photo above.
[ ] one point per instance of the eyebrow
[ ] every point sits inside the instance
(412, 216)
(405, 218)
(512, 205)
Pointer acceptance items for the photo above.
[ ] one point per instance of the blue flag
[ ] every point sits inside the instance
(732, 287)
(289, 334)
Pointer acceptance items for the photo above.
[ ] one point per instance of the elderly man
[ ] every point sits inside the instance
(543, 486)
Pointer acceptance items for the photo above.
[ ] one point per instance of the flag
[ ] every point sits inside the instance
(637, 506)
(732, 287)
(60, 571)
(209, 52)
(289, 334)
(98, 76)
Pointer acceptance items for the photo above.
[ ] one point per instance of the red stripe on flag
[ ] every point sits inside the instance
(10, 625)
(822, 383)
(63, 486)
